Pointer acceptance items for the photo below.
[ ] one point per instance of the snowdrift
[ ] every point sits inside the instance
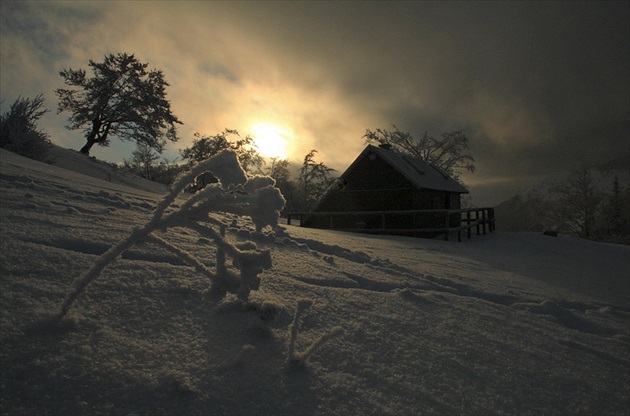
(501, 324)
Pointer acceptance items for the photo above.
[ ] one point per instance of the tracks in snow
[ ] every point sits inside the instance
(590, 318)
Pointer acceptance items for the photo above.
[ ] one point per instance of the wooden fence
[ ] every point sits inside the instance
(481, 219)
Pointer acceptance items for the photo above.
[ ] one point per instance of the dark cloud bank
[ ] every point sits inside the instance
(540, 87)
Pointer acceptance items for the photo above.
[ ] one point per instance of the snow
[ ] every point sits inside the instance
(506, 323)
(421, 173)
(91, 167)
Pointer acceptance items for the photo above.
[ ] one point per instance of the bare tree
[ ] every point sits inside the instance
(279, 171)
(450, 153)
(204, 147)
(577, 203)
(167, 170)
(314, 179)
(143, 158)
(616, 214)
(121, 99)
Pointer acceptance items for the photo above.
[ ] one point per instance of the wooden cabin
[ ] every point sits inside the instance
(382, 191)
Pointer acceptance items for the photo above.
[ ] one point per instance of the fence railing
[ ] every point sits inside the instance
(443, 221)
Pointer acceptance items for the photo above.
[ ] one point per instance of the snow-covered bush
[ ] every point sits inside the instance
(18, 128)
(234, 193)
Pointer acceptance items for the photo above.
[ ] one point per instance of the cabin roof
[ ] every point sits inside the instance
(421, 174)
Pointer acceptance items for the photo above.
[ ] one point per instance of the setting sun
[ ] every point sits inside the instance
(270, 139)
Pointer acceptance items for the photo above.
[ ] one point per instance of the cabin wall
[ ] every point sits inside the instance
(374, 185)
(368, 200)
(372, 173)
(385, 200)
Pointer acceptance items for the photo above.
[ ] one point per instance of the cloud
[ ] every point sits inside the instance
(538, 86)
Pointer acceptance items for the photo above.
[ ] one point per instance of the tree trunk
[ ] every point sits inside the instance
(88, 146)
(93, 137)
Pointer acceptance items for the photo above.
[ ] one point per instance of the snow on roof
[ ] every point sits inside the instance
(422, 174)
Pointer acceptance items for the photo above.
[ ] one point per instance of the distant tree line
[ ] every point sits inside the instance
(301, 187)
(577, 205)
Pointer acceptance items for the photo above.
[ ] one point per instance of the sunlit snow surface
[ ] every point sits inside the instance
(500, 324)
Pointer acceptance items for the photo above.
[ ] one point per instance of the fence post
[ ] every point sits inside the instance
(484, 221)
(483, 217)
(447, 224)
(477, 221)
(468, 226)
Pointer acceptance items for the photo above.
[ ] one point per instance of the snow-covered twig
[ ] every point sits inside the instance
(302, 305)
(256, 197)
(299, 358)
(333, 333)
(186, 257)
(93, 272)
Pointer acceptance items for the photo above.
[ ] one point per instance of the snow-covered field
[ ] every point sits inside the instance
(500, 324)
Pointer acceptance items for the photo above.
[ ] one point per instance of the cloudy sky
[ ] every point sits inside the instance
(539, 87)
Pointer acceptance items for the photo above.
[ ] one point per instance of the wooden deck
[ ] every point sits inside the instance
(481, 219)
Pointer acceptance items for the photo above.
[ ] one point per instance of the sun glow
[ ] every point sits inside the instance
(271, 140)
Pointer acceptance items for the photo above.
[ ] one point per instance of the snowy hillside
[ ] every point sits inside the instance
(508, 323)
(88, 166)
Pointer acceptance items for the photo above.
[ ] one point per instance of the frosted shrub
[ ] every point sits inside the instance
(255, 197)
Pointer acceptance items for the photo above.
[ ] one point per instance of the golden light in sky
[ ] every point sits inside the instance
(270, 139)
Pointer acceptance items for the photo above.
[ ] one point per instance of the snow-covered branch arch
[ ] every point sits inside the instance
(256, 197)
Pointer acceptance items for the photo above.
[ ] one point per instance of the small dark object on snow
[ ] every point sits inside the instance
(551, 233)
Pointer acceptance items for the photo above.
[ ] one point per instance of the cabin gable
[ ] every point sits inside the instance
(385, 192)
(374, 183)
(371, 172)
(371, 184)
